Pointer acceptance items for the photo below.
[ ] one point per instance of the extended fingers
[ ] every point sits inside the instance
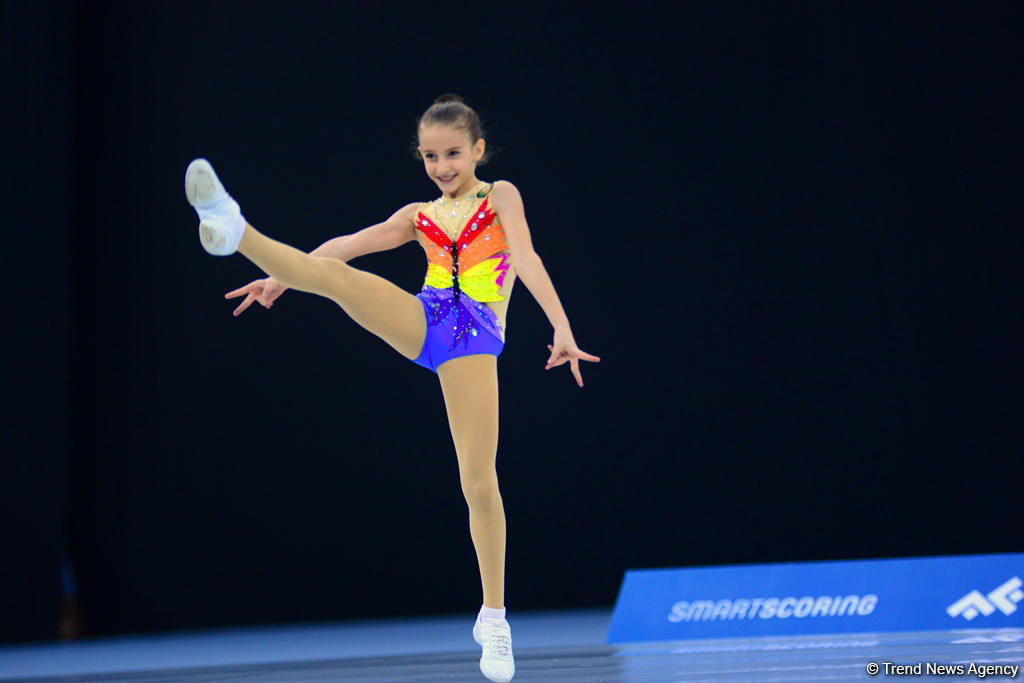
(574, 356)
(245, 304)
(557, 357)
(238, 292)
(577, 352)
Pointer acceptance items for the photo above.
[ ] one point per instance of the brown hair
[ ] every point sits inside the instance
(450, 110)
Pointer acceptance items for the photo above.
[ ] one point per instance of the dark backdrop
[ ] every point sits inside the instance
(791, 231)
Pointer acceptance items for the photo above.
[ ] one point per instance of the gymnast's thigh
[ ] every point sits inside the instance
(470, 388)
(379, 306)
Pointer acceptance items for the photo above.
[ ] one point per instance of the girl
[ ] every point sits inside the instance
(477, 242)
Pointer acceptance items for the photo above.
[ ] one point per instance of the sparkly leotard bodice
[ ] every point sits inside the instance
(467, 255)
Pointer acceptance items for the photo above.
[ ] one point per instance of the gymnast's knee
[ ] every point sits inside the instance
(332, 272)
(481, 491)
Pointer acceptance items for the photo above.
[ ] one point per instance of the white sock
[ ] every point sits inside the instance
(492, 613)
(227, 212)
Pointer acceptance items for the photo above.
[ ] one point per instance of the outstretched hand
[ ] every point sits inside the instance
(264, 291)
(565, 349)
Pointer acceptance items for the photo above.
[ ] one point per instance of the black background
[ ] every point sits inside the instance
(790, 230)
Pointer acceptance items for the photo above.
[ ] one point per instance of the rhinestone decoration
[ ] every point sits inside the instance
(463, 271)
(460, 318)
(451, 221)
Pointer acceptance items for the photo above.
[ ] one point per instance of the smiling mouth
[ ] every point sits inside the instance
(447, 180)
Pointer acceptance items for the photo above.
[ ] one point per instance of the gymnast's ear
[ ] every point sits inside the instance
(478, 149)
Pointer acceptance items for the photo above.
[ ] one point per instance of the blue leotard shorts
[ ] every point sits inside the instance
(457, 325)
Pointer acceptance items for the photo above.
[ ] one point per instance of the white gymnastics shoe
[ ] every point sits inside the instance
(221, 223)
(496, 662)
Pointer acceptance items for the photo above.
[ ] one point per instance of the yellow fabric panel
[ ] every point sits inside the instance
(479, 281)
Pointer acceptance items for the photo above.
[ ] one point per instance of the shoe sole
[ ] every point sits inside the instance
(213, 237)
(496, 677)
(203, 189)
(201, 184)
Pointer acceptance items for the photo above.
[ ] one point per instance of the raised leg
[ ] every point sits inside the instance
(386, 310)
(470, 388)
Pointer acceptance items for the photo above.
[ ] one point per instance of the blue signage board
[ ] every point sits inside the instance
(854, 596)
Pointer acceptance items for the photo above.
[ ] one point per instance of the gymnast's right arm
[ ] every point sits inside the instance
(394, 232)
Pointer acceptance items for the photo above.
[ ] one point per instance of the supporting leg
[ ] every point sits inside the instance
(470, 387)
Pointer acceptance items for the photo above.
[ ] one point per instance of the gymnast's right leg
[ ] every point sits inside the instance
(386, 310)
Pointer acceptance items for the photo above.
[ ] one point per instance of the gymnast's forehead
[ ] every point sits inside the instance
(442, 137)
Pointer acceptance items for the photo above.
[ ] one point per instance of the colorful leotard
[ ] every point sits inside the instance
(460, 277)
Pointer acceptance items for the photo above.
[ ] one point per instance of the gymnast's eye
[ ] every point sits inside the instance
(453, 153)
(429, 156)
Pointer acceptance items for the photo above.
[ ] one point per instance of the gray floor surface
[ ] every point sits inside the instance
(557, 646)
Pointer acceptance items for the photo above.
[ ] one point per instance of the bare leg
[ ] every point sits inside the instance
(470, 388)
(386, 310)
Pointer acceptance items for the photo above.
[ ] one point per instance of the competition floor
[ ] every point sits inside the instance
(556, 646)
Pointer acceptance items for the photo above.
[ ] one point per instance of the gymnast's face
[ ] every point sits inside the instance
(450, 157)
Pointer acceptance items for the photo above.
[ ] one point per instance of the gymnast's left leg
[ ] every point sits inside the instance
(382, 308)
(470, 388)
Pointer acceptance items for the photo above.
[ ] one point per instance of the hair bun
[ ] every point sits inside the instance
(448, 97)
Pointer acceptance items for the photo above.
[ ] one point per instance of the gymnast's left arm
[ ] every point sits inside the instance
(508, 204)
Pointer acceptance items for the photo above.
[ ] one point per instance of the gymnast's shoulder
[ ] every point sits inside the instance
(505, 199)
(408, 213)
(508, 204)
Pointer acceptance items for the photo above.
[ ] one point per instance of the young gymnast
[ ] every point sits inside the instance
(477, 241)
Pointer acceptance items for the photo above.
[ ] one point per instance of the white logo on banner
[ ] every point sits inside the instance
(1005, 598)
(773, 608)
